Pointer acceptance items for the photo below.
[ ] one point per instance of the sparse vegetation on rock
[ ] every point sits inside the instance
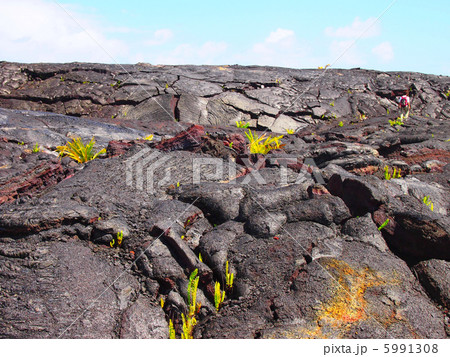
(321, 234)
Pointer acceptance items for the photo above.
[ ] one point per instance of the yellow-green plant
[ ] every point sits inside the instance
(341, 123)
(263, 144)
(200, 257)
(161, 302)
(149, 137)
(428, 202)
(192, 293)
(78, 151)
(171, 331)
(398, 121)
(36, 149)
(395, 174)
(188, 327)
(229, 277)
(117, 84)
(189, 320)
(219, 296)
(242, 124)
(290, 131)
(118, 240)
(384, 224)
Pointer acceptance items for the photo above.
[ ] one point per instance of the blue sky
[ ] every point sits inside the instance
(411, 35)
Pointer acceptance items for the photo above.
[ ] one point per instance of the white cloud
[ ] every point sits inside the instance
(212, 49)
(346, 53)
(281, 36)
(160, 37)
(384, 51)
(208, 53)
(358, 29)
(280, 48)
(42, 31)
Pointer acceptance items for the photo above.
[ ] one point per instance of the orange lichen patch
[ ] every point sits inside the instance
(348, 304)
(315, 333)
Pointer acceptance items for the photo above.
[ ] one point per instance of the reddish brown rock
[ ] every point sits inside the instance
(117, 148)
(418, 156)
(237, 142)
(37, 179)
(186, 140)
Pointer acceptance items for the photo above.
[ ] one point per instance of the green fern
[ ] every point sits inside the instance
(428, 202)
(188, 327)
(242, 124)
(395, 174)
(229, 277)
(384, 224)
(395, 122)
(258, 146)
(78, 151)
(192, 293)
(118, 241)
(172, 335)
(219, 296)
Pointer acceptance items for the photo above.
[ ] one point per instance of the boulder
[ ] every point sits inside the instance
(63, 290)
(433, 275)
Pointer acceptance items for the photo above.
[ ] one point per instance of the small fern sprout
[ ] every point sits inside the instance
(119, 237)
(172, 335)
(188, 327)
(384, 224)
(219, 296)
(229, 277)
(192, 293)
(428, 202)
(242, 124)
